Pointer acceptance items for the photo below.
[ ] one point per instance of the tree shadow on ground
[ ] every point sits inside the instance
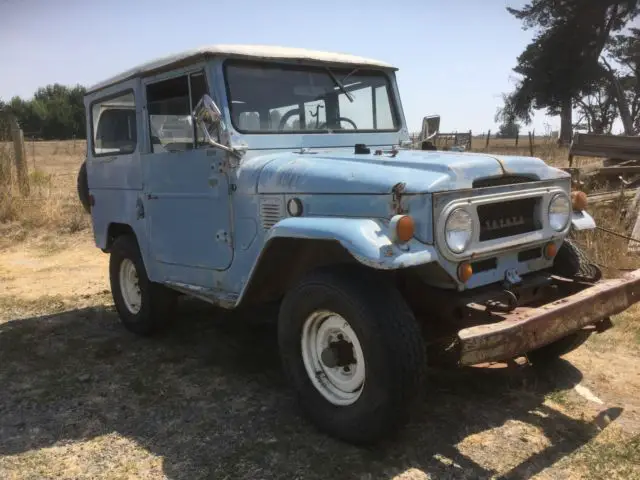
(210, 398)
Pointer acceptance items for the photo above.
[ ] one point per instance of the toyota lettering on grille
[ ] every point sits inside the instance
(499, 223)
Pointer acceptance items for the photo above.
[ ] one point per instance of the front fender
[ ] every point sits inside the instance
(581, 220)
(367, 240)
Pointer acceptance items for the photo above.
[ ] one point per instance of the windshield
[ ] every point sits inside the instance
(266, 98)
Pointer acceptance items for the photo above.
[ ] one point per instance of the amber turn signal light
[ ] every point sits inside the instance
(464, 272)
(403, 227)
(550, 250)
(579, 200)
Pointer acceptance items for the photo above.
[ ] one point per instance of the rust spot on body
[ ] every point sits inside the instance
(396, 201)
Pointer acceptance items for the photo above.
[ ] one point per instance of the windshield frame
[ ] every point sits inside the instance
(335, 69)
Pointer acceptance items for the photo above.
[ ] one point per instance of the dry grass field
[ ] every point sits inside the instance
(82, 398)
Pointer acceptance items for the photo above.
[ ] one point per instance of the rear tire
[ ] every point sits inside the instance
(371, 397)
(144, 307)
(571, 262)
(82, 185)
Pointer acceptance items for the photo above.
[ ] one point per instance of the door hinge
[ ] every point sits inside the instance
(223, 236)
(220, 166)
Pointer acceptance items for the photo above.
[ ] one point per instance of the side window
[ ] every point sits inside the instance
(169, 105)
(113, 123)
(198, 83)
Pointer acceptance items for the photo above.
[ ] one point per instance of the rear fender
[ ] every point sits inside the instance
(367, 240)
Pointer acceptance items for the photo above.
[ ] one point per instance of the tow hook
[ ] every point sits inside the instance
(511, 281)
(510, 303)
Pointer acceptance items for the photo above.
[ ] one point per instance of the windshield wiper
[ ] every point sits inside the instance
(339, 85)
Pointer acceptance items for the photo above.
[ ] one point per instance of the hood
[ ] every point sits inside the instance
(420, 171)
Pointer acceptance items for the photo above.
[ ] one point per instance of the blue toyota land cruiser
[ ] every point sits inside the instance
(245, 175)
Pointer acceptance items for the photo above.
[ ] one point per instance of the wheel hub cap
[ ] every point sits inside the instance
(333, 357)
(129, 286)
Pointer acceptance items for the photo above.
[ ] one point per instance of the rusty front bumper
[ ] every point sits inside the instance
(526, 330)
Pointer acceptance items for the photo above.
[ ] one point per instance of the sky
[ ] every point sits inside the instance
(455, 57)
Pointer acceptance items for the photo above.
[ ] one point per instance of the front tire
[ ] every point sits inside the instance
(144, 307)
(353, 351)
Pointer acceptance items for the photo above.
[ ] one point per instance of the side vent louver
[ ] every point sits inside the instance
(271, 211)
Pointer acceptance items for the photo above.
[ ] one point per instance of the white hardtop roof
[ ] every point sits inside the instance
(242, 51)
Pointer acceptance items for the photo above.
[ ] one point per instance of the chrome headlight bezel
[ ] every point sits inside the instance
(465, 217)
(558, 221)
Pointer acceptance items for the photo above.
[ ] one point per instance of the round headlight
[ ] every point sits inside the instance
(559, 212)
(458, 230)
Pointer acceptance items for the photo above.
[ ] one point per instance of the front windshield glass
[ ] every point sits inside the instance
(266, 98)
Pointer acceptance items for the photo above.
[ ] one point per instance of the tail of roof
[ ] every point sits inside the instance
(242, 51)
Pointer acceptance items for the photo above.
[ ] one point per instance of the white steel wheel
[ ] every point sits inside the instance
(129, 286)
(333, 357)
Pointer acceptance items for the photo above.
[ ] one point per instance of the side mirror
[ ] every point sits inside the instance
(430, 127)
(208, 118)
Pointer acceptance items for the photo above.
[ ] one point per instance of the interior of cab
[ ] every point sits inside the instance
(169, 106)
(269, 98)
(113, 123)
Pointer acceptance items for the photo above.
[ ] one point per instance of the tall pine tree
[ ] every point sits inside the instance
(562, 61)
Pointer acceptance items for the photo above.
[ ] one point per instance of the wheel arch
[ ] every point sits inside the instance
(284, 260)
(115, 230)
(297, 245)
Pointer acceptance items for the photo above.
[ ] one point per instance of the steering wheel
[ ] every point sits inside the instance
(341, 119)
(296, 111)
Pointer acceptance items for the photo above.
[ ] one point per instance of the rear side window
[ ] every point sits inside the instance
(113, 123)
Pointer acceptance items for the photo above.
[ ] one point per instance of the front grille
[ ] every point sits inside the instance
(505, 219)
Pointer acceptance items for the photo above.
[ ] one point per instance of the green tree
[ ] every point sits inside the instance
(4, 122)
(624, 74)
(562, 62)
(55, 112)
(509, 130)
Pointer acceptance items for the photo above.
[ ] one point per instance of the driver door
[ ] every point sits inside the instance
(187, 198)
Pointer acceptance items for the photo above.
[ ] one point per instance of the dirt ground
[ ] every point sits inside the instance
(82, 398)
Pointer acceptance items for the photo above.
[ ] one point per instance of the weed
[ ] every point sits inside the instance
(39, 178)
(561, 397)
(614, 456)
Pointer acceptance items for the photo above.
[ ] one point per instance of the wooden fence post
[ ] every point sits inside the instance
(20, 156)
(531, 143)
(486, 147)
